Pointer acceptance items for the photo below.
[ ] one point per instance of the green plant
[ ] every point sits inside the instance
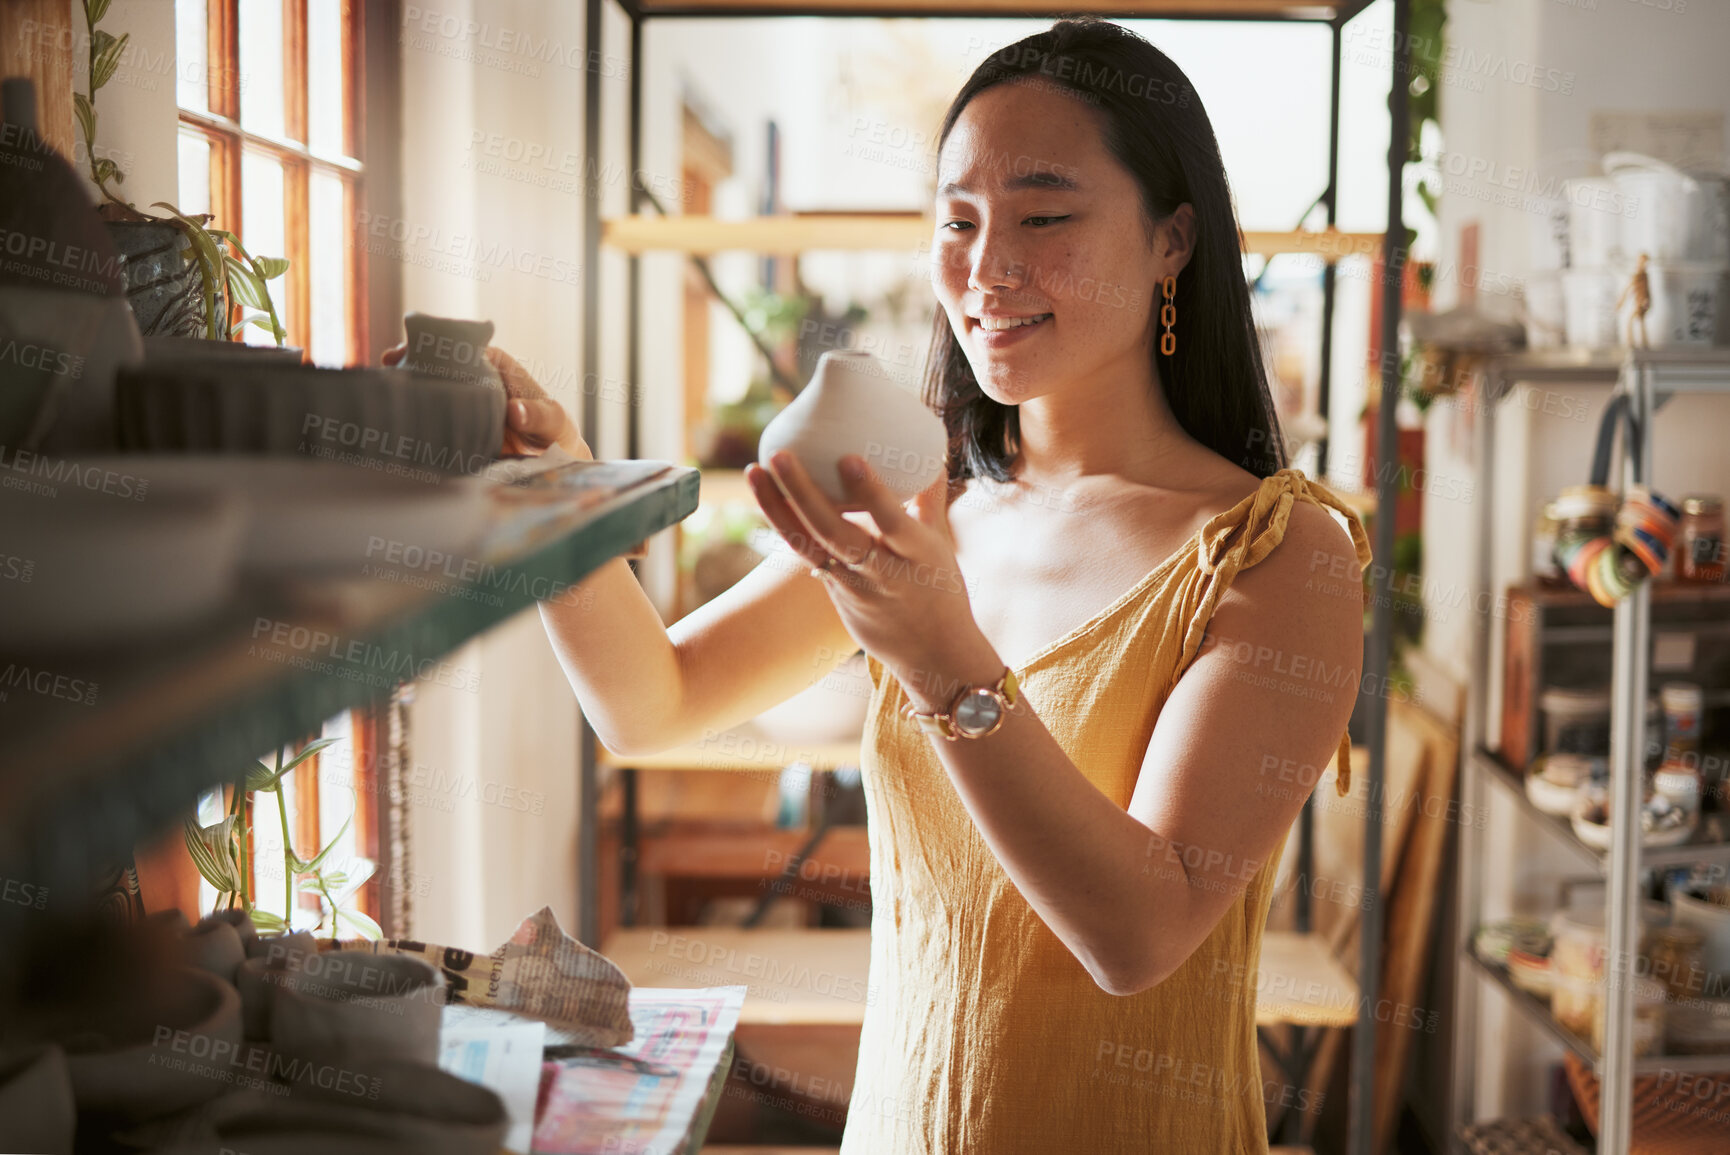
(230, 274)
(220, 851)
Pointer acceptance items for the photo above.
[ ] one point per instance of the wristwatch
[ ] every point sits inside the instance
(974, 712)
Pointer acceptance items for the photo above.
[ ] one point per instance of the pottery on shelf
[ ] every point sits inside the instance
(381, 1108)
(36, 1110)
(195, 1019)
(214, 945)
(852, 406)
(63, 312)
(162, 350)
(343, 1006)
(449, 348)
(406, 423)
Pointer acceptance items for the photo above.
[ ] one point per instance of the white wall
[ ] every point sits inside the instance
(136, 116)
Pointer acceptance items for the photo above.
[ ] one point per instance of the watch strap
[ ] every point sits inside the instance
(941, 723)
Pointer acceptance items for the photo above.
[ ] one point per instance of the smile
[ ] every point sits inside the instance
(998, 324)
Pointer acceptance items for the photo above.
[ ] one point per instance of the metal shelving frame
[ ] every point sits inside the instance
(1649, 378)
(1335, 14)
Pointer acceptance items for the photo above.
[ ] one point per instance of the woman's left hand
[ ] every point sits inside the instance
(899, 591)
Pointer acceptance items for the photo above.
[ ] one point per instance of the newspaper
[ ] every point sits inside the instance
(650, 1097)
(540, 973)
(503, 1056)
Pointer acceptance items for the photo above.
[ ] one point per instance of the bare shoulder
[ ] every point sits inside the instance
(1312, 577)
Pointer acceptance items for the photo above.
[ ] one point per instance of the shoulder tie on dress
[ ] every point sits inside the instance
(1263, 518)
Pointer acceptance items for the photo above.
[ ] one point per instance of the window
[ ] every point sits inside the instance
(270, 144)
(270, 115)
(328, 803)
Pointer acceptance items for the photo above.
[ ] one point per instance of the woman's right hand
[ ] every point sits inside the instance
(533, 420)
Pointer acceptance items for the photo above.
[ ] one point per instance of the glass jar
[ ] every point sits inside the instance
(1544, 569)
(1648, 1018)
(1679, 783)
(1576, 721)
(1678, 957)
(1700, 540)
(1683, 703)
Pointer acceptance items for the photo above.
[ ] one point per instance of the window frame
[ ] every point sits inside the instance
(220, 127)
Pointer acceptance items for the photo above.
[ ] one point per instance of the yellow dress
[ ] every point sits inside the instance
(982, 1033)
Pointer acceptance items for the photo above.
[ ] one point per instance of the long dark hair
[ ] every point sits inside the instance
(1215, 382)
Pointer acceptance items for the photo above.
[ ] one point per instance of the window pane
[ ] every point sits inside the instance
(264, 234)
(261, 69)
(328, 275)
(336, 806)
(324, 77)
(191, 48)
(194, 193)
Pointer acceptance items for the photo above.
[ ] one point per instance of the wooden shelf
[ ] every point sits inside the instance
(81, 784)
(887, 232)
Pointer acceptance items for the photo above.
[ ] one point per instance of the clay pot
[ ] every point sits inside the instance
(382, 1107)
(852, 406)
(267, 961)
(345, 1006)
(408, 421)
(450, 348)
(36, 1112)
(242, 924)
(170, 1051)
(214, 945)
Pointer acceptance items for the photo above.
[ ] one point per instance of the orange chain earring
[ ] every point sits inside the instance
(1168, 317)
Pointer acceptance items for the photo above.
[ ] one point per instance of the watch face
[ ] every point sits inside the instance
(977, 712)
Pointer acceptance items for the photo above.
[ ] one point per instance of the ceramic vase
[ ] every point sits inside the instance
(344, 1006)
(852, 406)
(450, 348)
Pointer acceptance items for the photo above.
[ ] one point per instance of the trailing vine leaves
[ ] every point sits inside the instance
(226, 276)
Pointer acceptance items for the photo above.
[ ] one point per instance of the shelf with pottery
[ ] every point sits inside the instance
(1648, 377)
(889, 231)
(1537, 1010)
(1709, 842)
(1676, 368)
(139, 729)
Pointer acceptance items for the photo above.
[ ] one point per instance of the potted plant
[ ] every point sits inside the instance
(222, 854)
(182, 276)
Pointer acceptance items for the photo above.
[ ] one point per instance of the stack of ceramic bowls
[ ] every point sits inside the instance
(1681, 221)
